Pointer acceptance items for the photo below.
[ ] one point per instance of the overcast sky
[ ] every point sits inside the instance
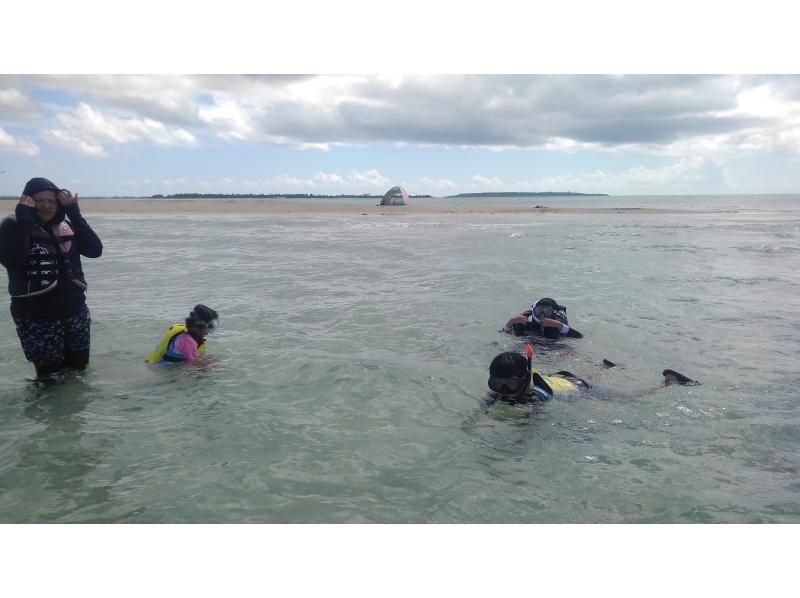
(433, 134)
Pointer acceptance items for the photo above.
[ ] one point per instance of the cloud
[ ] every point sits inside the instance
(230, 121)
(490, 110)
(652, 113)
(331, 183)
(370, 178)
(431, 185)
(14, 105)
(356, 182)
(284, 182)
(687, 175)
(171, 99)
(482, 182)
(328, 178)
(11, 144)
(85, 130)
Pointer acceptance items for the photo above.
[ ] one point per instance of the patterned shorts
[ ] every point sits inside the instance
(45, 341)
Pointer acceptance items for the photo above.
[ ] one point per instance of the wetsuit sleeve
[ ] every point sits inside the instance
(522, 329)
(15, 237)
(89, 243)
(186, 346)
(548, 332)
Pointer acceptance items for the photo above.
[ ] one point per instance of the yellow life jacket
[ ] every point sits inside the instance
(161, 349)
(551, 385)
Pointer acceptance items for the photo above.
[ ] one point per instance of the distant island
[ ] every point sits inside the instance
(266, 196)
(530, 194)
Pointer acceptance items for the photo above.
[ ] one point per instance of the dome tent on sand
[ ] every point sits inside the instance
(396, 196)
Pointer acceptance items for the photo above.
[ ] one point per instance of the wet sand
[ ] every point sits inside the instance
(333, 206)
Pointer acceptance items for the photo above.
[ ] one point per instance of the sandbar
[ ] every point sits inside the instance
(333, 206)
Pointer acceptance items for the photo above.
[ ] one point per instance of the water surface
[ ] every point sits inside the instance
(354, 352)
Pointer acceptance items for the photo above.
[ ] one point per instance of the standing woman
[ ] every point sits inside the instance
(40, 246)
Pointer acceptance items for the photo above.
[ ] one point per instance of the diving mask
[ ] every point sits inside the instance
(507, 385)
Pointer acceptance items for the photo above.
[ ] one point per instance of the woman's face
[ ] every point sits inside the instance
(46, 205)
(200, 329)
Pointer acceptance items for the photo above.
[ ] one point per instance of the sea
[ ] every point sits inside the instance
(345, 381)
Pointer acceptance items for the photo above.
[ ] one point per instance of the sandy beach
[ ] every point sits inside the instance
(333, 206)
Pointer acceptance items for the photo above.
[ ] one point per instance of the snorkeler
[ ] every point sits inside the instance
(186, 342)
(545, 318)
(513, 379)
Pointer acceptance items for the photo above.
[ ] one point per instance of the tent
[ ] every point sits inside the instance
(396, 196)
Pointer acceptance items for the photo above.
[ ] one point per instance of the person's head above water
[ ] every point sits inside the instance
(45, 196)
(509, 375)
(204, 313)
(549, 308)
(201, 320)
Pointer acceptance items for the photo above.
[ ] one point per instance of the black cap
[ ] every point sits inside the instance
(38, 184)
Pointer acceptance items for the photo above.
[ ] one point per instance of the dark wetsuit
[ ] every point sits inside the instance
(532, 328)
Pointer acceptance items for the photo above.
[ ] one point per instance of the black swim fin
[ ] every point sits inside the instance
(565, 373)
(679, 378)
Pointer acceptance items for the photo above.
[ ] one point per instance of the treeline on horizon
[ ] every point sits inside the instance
(264, 196)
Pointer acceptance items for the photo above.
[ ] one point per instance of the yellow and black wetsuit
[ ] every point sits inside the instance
(555, 385)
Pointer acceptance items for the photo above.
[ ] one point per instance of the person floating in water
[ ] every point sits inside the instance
(41, 245)
(545, 318)
(187, 341)
(513, 379)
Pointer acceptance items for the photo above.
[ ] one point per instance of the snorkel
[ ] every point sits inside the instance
(529, 354)
(538, 384)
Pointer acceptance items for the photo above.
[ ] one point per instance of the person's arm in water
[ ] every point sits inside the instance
(89, 243)
(559, 328)
(520, 319)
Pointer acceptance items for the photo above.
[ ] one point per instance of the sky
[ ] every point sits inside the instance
(433, 134)
(383, 99)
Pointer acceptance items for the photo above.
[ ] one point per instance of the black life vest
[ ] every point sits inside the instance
(51, 254)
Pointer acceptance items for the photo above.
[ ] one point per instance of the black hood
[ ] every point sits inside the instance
(37, 184)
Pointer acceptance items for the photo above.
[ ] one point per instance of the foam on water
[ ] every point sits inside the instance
(354, 350)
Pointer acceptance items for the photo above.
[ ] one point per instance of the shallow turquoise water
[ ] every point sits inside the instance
(354, 350)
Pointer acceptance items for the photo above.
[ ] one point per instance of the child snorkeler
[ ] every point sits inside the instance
(513, 379)
(186, 342)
